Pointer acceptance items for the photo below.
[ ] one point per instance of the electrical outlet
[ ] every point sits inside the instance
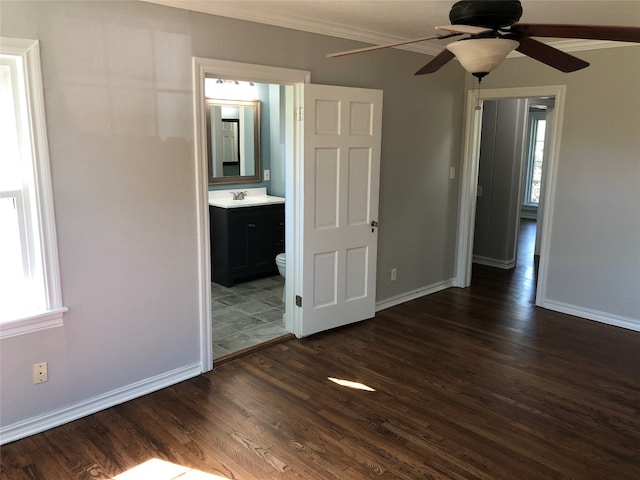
(394, 274)
(40, 372)
(267, 175)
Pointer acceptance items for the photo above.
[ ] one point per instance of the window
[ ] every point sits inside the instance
(30, 295)
(535, 155)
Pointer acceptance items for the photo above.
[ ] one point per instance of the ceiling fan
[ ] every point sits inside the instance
(493, 33)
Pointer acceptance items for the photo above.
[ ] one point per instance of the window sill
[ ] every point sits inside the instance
(33, 323)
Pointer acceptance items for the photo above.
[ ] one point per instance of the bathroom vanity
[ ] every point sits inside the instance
(245, 235)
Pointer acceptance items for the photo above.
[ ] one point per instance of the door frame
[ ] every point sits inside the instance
(203, 67)
(469, 177)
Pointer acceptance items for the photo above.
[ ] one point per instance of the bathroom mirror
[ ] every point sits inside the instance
(233, 141)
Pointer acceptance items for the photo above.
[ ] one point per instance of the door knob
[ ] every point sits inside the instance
(374, 223)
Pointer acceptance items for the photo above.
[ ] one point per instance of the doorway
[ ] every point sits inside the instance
(510, 177)
(470, 172)
(246, 139)
(339, 273)
(203, 68)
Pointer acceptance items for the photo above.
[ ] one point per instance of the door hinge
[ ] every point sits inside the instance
(299, 114)
(298, 301)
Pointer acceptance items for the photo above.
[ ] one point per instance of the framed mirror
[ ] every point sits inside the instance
(233, 141)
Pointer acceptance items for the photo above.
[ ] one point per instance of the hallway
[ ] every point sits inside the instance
(519, 282)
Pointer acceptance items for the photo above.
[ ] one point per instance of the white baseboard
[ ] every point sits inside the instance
(493, 262)
(413, 294)
(595, 315)
(56, 418)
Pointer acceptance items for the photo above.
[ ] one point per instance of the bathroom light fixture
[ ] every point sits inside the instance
(225, 89)
(480, 56)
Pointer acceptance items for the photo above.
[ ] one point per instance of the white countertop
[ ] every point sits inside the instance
(253, 198)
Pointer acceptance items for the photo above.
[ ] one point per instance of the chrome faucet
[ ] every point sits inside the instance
(239, 195)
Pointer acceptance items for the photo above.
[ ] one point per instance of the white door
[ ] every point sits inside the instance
(341, 173)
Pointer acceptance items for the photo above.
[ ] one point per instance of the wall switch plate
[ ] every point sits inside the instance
(40, 372)
(267, 175)
(394, 274)
(452, 173)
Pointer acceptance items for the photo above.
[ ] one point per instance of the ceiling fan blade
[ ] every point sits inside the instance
(438, 61)
(469, 29)
(390, 45)
(587, 32)
(550, 56)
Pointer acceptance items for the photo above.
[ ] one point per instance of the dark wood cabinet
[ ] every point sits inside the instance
(245, 242)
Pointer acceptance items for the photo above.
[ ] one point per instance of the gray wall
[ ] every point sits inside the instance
(118, 99)
(594, 255)
(499, 169)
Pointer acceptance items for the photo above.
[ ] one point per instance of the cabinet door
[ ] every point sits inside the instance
(260, 244)
(239, 241)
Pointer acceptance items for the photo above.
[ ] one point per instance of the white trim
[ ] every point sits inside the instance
(120, 395)
(579, 45)
(469, 177)
(295, 210)
(414, 294)
(34, 323)
(202, 218)
(251, 73)
(203, 67)
(236, 9)
(29, 50)
(295, 22)
(594, 315)
(468, 191)
(494, 262)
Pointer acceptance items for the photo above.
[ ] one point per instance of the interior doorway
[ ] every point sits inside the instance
(203, 68)
(470, 175)
(510, 177)
(351, 118)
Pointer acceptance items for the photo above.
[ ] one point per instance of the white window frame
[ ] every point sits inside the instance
(534, 117)
(44, 221)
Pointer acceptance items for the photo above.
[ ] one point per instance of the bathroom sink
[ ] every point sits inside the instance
(249, 201)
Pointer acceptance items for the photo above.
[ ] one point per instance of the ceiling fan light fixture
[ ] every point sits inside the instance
(480, 56)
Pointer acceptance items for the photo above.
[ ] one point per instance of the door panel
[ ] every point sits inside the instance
(359, 172)
(356, 282)
(325, 279)
(326, 165)
(342, 131)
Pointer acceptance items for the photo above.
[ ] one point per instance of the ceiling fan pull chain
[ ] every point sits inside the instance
(479, 80)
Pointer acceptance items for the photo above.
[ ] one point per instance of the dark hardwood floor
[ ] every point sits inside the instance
(473, 383)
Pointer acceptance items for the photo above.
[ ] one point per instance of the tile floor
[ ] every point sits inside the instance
(246, 314)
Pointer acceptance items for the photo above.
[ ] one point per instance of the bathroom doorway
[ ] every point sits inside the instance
(311, 112)
(246, 213)
(285, 81)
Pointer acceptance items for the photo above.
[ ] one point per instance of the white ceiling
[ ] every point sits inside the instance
(388, 21)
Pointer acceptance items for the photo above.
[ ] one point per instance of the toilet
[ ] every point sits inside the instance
(281, 264)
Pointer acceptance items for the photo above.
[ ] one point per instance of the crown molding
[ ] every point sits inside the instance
(296, 22)
(234, 9)
(579, 46)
